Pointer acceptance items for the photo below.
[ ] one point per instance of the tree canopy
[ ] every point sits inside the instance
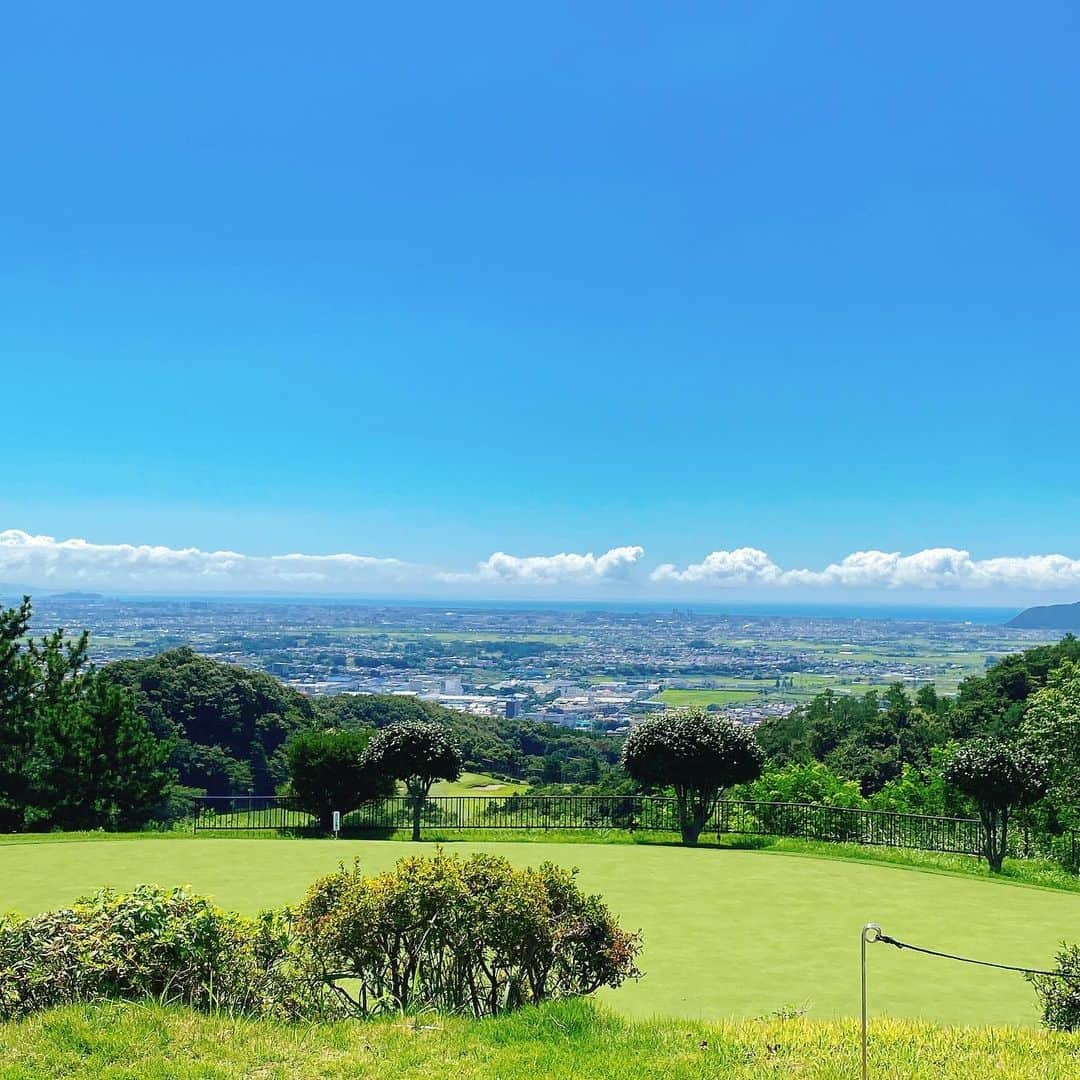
(74, 752)
(228, 725)
(1051, 727)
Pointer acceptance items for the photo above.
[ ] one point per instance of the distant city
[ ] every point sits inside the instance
(582, 668)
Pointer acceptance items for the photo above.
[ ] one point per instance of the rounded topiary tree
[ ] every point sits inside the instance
(418, 752)
(697, 753)
(329, 770)
(998, 777)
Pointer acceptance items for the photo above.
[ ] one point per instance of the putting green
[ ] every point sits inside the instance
(727, 933)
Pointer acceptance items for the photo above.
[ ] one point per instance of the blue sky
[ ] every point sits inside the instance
(429, 282)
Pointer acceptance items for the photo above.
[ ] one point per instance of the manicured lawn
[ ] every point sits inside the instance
(478, 784)
(566, 1041)
(727, 933)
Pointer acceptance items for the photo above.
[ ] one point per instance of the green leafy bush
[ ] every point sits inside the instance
(168, 945)
(472, 935)
(810, 782)
(329, 771)
(1061, 996)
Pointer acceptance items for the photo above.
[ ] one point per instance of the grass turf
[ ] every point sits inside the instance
(559, 1042)
(727, 932)
(469, 783)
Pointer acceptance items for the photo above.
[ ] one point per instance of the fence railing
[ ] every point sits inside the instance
(962, 836)
(841, 824)
(249, 813)
(242, 813)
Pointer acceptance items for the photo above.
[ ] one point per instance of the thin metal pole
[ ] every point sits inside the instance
(870, 932)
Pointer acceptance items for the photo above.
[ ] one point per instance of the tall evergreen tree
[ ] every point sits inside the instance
(74, 752)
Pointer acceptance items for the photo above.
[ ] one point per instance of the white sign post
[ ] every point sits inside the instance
(337, 823)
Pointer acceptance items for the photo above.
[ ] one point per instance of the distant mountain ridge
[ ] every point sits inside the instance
(1050, 617)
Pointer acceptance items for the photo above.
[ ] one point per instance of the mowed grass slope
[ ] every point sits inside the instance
(469, 783)
(727, 933)
(564, 1041)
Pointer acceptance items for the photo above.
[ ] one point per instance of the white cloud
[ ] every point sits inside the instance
(930, 569)
(743, 566)
(565, 568)
(46, 562)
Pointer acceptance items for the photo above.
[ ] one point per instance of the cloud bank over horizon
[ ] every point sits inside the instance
(46, 562)
(930, 569)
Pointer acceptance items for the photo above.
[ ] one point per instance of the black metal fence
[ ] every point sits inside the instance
(249, 813)
(242, 813)
(839, 824)
(964, 836)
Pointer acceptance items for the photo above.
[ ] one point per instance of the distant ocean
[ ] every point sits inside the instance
(986, 616)
(877, 612)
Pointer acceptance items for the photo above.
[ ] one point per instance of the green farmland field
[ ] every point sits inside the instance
(727, 933)
(706, 697)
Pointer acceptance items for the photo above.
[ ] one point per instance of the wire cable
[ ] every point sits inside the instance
(981, 963)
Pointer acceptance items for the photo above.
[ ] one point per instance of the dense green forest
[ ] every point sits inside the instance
(227, 725)
(887, 750)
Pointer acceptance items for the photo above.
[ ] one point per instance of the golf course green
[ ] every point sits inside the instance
(727, 933)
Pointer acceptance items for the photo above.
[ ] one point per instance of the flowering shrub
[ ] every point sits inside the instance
(472, 935)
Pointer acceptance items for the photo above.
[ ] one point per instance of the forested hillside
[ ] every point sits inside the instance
(228, 724)
(887, 750)
(1048, 617)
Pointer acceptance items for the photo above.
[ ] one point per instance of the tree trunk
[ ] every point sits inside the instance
(995, 840)
(694, 809)
(1003, 843)
(417, 809)
(691, 830)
